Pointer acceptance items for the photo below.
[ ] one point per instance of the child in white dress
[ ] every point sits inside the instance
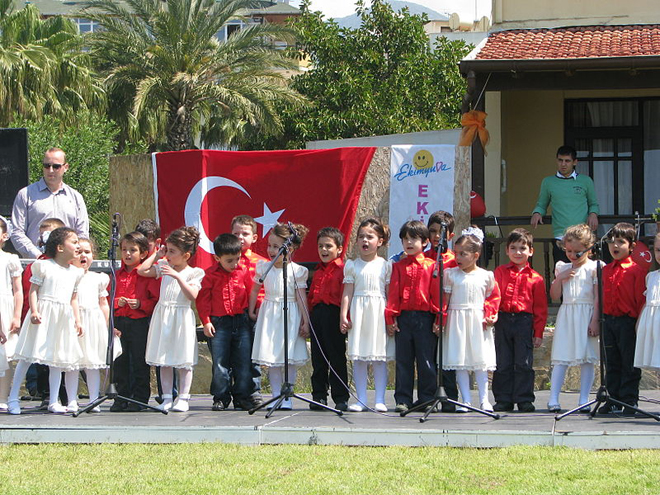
(268, 347)
(472, 304)
(575, 341)
(647, 347)
(11, 304)
(362, 313)
(94, 314)
(50, 332)
(172, 338)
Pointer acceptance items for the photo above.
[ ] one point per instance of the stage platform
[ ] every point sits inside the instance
(302, 426)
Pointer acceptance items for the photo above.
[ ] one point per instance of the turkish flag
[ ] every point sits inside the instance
(205, 188)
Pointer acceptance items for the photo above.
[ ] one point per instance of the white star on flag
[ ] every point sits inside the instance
(268, 219)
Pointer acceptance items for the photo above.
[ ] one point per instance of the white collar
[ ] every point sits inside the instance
(573, 175)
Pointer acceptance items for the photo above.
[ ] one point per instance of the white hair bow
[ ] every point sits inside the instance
(475, 232)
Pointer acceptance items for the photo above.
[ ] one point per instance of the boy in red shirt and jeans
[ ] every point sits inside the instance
(222, 303)
(409, 315)
(624, 283)
(520, 324)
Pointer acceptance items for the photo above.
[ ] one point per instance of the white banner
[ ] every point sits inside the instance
(421, 182)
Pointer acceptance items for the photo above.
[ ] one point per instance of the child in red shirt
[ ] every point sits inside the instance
(134, 302)
(245, 228)
(520, 324)
(328, 343)
(624, 283)
(409, 316)
(222, 303)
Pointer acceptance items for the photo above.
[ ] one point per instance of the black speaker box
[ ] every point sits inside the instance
(13, 166)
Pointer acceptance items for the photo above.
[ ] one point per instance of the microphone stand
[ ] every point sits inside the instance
(440, 396)
(286, 391)
(111, 390)
(602, 395)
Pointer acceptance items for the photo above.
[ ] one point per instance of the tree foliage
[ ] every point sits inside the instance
(382, 78)
(169, 79)
(43, 70)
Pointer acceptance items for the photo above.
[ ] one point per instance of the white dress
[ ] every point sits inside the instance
(268, 347)
(172, 338)
(53, 342)
(94, 341)
(647, 348)
(571, 344)
(367, 338)
(466, 345)
(10, 267)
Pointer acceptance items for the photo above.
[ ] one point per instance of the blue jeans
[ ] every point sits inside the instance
(231, 352)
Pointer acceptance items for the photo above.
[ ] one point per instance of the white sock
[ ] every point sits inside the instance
(19, 376)
(587, 372)
(54, 382)
(167, 379)
(185, 381)
(5, 384)
(380, 380)
(71, 385)
(556, 381)
(463, 382)
(360, 380)
(93, 383)
(293, 373)
(481, 377)
(275, 376)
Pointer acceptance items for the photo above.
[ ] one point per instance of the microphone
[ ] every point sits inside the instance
(116, 221)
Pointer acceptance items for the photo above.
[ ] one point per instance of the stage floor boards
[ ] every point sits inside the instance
(302, 426)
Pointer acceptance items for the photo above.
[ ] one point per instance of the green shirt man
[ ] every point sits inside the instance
(571, 195)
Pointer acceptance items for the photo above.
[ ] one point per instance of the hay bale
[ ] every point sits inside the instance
(131, 189)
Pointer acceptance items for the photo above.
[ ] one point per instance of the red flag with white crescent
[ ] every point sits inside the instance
(206, 188)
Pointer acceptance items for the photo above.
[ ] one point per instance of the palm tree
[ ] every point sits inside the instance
(43, 69)
(169, 79)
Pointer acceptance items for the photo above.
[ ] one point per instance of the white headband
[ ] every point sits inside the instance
(475, 232)
(8, 224)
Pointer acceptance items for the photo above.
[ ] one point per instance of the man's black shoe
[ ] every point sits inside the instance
(316, 407)
(525, 407)
(133, 407)
(503, 406)
(118, 406)
(341, 406)
(218, 406)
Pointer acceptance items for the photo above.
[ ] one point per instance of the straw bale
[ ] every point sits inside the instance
(132, 189)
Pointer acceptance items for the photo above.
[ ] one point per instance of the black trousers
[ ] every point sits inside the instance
(415, 345)
(134, 345)
(513, 380)
(619, 338)
(332, 343)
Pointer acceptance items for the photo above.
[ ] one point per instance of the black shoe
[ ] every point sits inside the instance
(609, 408)
(218, 405)
(629, 411)
(44, 405)
(118, 406)
(133, 407)
(256, 399)
(525, 407)
(584, 410)
(503, 406)
(316, 407)
(341, 406)
(159, 399)
(448, 407)
(401, 408)
(244, 404)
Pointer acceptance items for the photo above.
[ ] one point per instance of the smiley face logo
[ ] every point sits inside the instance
(423, 159)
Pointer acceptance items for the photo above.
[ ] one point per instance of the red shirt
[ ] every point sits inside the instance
(132, 286)
(412, 287)
(624, 283)
(249, 260)
(327, 283)
(448, 257)
(223, 293)
(523, 291)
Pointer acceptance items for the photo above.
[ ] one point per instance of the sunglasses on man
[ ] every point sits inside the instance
(54, 166)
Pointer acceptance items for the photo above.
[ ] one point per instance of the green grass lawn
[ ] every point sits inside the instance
(232, 469)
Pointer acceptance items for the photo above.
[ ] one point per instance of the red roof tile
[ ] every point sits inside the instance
(572, 42)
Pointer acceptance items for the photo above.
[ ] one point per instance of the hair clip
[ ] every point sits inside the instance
(474, 232)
